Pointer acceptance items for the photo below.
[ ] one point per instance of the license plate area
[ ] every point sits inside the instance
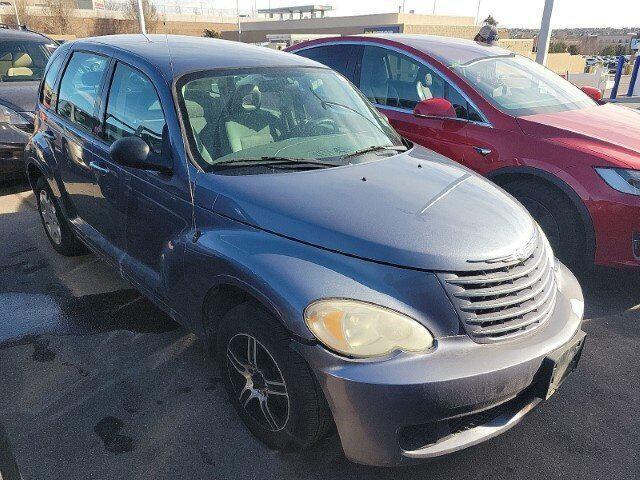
(558, 365)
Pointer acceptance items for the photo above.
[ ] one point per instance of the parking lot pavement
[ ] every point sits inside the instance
(95, 383)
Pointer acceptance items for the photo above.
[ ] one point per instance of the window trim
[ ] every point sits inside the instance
(484, 123)
(62, 54)
(106, 95)
(96, 107)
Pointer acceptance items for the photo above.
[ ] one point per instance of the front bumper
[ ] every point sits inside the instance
(411, 407)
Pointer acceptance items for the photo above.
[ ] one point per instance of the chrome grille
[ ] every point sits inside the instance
(506, 298)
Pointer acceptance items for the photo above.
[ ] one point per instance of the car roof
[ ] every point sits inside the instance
(446, 50)
(176, 55)
(7, 34)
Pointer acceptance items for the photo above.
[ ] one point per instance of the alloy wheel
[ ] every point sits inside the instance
(257, 382)
(49, 217)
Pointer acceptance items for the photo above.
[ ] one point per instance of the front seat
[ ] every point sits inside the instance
(247, 124)
(375, 81)
(21, 66)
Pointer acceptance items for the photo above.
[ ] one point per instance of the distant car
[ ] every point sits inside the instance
(339, 275)
(23, 57)
(573, 163)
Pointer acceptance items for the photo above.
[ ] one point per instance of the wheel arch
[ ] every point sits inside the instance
(508, 174)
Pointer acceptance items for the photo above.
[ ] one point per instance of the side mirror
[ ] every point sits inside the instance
(435, 107)
(134, 152)
(592, 92)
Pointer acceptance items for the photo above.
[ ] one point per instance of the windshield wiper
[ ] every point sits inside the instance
(273, 160)
(375, 148)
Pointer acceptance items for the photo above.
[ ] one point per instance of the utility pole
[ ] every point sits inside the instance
(544, 37)
(434, 7)
(15, 8)
(143, 25)
(478, 13)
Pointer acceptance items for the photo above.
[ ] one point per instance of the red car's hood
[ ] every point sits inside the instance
(609, 130)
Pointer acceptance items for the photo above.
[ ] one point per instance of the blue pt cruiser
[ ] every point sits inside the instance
(344, 278)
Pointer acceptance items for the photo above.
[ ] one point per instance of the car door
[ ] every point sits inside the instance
(76, 127)
(395, 82)
(158, 206)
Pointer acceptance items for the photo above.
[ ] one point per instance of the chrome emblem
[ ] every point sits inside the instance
(520, 255)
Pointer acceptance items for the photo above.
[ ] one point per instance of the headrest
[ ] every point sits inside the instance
(194, 109)
(22, 60)
(19, 72)
(247, 97)
(7, 57)
(428, 80)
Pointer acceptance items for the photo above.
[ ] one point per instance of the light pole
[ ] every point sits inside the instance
(143, 25)
(544, 37)
(15, 9)
(240, 26)
(478, 13)
(434, 7)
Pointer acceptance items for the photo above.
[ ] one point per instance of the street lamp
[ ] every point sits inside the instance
(143, 25)
(544, 36)
(240, 26)
(15, 9)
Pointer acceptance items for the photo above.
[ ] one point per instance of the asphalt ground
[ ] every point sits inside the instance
(96, 383)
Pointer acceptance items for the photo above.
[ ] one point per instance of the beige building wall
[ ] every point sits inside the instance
(561, 63)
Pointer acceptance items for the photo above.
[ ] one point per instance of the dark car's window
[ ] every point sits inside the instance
(297, 113)
(24, 60)
(80, 88)
(340, 58)
(392, 79)
(48, 94)
(133, 108)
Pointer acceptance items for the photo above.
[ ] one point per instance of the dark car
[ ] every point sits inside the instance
(574, 163)
(339, 275)
(23, 58)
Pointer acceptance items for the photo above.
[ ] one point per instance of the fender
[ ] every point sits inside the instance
(567, 189)
(275, 270)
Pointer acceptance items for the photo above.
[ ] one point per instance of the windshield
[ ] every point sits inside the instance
(22, 60)
(519, 86)
(237, 117)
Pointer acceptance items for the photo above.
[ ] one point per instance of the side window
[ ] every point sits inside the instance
(336, 57)
(80, 89)
(133, 108)
(463, 108)
(390, 78)
(48, 95)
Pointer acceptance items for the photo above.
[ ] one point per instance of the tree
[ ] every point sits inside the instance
(558, 47)
(59, 15)
(490, 21)
(210, 33)
(608, 51)
(151, 17)
(573, 49)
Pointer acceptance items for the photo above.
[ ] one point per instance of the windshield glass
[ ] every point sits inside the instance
(519, 86)
(22, 60)
(239, 116)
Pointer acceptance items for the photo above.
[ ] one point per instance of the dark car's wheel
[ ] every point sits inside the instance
(55, 225)
(270, 385)
(557, 217)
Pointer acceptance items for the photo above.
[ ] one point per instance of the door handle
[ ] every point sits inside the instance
(482, 151)
(98, 168)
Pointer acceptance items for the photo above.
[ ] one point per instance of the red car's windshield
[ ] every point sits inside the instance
(519, 86)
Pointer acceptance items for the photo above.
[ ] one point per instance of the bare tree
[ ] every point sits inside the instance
(105, 26)
(151, 17)
(59, 15)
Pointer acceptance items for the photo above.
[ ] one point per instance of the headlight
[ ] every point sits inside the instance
(11, 117)
(622, 180)
(361, 329)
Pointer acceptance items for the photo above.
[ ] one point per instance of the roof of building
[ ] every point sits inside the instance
(176, 55)
(297, 9)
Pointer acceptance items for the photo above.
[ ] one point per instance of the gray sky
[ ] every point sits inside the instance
(510, 13)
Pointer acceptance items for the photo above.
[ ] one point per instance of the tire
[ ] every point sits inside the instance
(296, 414)
(55, 225)
(557, 217)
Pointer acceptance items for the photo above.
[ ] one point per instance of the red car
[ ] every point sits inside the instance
(574, 163)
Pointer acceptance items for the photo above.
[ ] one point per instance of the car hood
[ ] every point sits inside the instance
(19, 96)
(416, 209)
(610, 131)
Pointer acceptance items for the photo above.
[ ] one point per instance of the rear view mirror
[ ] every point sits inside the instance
(134, 152)
(593, 92)
(435, 107)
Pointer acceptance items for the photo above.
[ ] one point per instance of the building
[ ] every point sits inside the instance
(256, 31)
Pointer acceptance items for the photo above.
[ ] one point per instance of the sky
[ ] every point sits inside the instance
(509, 13)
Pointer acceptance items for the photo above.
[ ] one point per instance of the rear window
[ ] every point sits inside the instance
(24, 60)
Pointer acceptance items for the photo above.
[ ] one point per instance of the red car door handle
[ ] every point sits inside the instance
(482, 151)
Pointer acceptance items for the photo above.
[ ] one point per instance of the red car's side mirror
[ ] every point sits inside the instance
(435, 107)
(593, 92)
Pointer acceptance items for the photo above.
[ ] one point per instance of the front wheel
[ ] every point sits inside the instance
(557, 217)
(269, 384)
